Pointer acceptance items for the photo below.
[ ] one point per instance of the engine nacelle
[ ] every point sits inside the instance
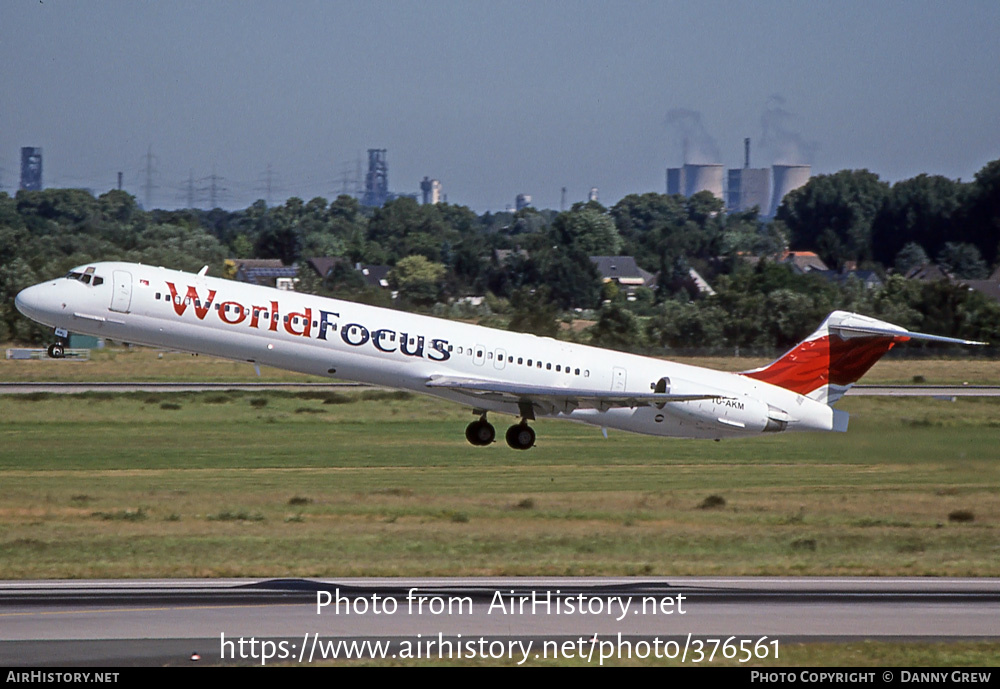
(732, 413)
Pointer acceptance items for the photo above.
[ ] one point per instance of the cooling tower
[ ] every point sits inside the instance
(703, 178)
(787, 178)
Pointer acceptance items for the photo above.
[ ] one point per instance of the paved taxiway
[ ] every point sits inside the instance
(156, 622)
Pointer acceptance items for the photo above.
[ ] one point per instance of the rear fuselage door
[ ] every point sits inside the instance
(121, 297)
(618, 379)
(501, 359)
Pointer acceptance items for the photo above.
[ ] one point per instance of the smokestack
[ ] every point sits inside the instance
(746, 153)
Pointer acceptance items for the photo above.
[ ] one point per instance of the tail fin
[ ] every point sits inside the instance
(825, 365)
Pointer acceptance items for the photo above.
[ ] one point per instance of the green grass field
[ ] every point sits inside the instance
(370, 482)
(383, 483)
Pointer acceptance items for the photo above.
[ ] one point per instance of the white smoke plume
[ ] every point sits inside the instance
(699, 148)
(786, 146)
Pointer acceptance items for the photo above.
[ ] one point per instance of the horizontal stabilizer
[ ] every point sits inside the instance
(903, 333)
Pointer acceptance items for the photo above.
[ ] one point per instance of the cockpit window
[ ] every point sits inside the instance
(85, 278)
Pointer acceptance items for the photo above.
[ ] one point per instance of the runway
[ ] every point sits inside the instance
(166, 621)
(62, 388)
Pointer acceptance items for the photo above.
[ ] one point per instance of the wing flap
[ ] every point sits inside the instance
(560, 399)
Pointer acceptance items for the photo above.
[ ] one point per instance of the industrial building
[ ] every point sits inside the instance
(377, 179)
(746, 187)
(431, 190)
(31, 169)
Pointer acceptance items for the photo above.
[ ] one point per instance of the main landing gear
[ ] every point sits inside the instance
(481, 432)
(520, 436)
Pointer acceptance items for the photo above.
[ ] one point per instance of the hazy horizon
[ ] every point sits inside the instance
(492, 99)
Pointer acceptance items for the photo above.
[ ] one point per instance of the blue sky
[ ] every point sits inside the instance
(492, 98)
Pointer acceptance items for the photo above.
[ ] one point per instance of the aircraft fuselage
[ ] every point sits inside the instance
(170, 309)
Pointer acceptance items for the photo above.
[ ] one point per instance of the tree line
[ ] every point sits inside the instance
(533, 266)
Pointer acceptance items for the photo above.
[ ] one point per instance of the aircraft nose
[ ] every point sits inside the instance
(29, 302)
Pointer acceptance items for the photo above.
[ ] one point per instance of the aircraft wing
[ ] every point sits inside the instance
(554, 399)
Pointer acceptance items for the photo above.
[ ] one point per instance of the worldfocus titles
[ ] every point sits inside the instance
(300, 324)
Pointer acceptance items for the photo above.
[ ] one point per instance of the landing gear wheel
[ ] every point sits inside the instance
(56, 351)
(480, 433)
(521, 436)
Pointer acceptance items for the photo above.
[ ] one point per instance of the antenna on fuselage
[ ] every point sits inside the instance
(201, 273)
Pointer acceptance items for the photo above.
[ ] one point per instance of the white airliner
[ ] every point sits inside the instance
(489, 370)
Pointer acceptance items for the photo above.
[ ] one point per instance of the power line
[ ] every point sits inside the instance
(267, 184)
(213, 189)
(186, 191)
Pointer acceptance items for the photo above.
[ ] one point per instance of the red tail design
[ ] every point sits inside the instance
(825, 364)
(829, 359)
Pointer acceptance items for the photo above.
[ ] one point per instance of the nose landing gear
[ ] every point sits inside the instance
(57, 350)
